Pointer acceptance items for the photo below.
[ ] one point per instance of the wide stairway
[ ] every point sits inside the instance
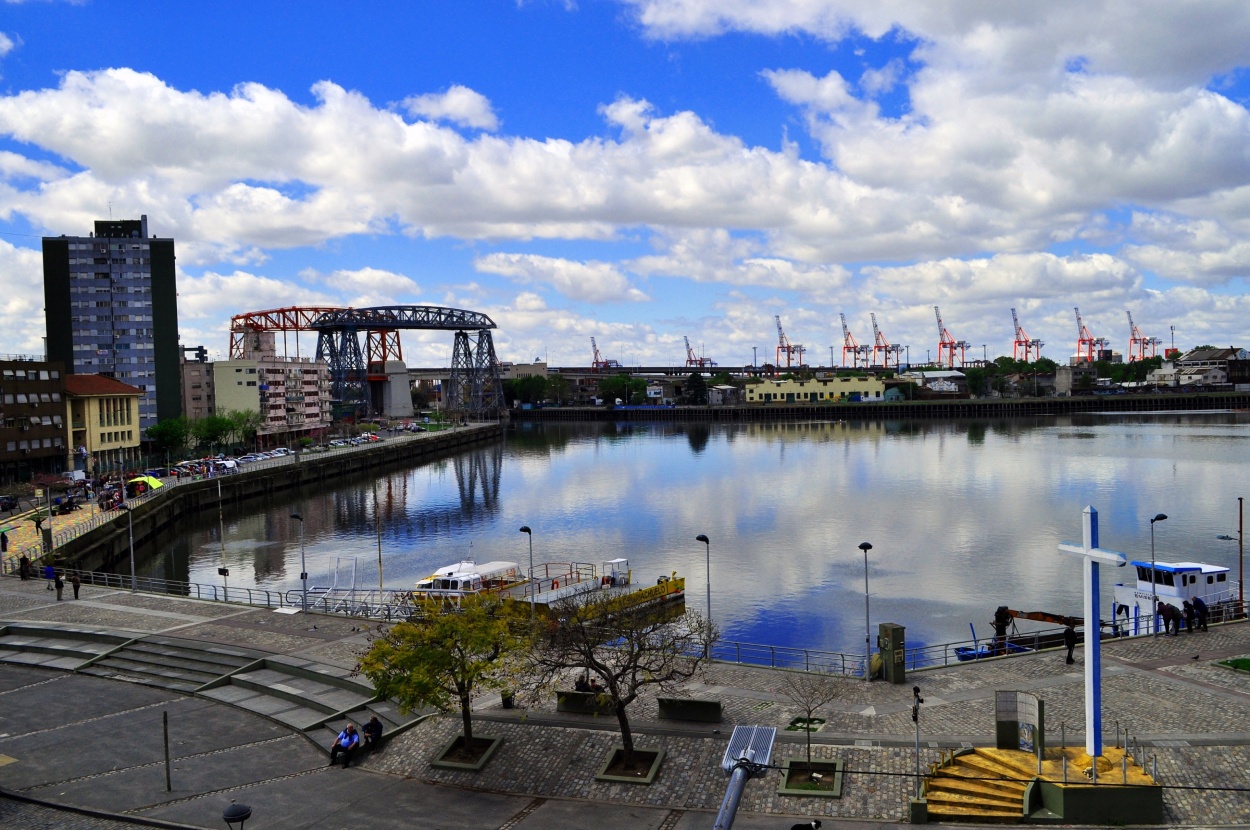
(170, 663)
(983, 786)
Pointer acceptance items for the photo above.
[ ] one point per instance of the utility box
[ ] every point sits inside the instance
(893, 648)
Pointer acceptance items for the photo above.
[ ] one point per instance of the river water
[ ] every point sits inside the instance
(963, 516)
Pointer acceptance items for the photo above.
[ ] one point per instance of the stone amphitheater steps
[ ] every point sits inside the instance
(54, 647)
(298, 693)
(979, 787)
(386, 712)
(170, 663)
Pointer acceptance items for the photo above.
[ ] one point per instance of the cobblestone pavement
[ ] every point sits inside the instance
(1191, 715)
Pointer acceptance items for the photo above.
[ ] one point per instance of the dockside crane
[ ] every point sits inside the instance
(693, 360)
(1030, 347)
(1138, 343)
(598, 362)
(949, 344)
(880, 344)
(790, 350)
(851, 346)
(1087, 346)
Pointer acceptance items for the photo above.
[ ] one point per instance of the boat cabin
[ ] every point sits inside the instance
(468, 577)
(1181, 580)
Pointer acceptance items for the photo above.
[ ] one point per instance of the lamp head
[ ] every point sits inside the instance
(1159, 518)
(297, 517)
(702, 538)
(525, 529)
(865, 547)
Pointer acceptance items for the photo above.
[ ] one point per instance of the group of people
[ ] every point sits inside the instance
(348, 741)
(1194, 612)
(585, 684)
(56, 578)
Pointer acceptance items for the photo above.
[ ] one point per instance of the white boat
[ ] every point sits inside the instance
(1173, 583)
(452, 582)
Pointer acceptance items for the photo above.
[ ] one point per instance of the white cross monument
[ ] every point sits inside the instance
(1093, 556)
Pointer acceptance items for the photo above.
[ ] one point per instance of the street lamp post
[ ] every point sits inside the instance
(915, 718)
(533, 597)
(130, 521)
(753, 356)
(303, 569)
(707, 550)
(1154, 578)
(865, 547)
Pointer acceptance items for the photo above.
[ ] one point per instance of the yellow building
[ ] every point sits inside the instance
(831, 390)
(103, 414)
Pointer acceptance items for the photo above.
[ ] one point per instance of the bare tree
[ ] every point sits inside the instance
(628, 649)
(810, 692)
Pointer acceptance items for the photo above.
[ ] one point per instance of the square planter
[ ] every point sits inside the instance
(649, 778)
(476, 766)
(827, 768)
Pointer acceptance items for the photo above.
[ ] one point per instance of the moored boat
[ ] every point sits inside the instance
(1173, 583)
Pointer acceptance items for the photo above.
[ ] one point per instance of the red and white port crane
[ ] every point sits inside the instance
(790, 350)
(598, 362)
(880, 344)
(1138, 343)
(948, 344)
(1087, 345)
(851, 346)
(1025, 348)
(693, 360)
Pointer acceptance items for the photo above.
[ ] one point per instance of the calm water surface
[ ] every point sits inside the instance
(963, 516)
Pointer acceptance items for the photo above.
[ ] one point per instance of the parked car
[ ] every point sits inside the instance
(8, 503)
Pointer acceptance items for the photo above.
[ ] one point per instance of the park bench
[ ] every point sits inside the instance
(583, 703)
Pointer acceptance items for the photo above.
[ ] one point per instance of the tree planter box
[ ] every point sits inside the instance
(476, 766)
(827, 768)
(682, 708)
(583, 703)
(648, 778)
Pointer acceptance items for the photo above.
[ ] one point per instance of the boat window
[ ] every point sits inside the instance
(1167, 579)
(1143, 574)
(1221, 577)
(1209, 580)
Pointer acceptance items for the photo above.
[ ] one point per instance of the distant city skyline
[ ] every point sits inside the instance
(642, 171)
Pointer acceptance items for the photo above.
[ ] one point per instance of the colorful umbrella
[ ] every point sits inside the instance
(152, 483)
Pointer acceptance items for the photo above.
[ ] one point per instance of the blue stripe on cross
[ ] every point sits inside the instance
(1092, 556)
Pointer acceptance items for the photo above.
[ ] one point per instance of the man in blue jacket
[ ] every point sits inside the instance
(347, 742)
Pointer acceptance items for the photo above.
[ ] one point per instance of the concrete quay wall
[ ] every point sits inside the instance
(984, 408)
(105, 546)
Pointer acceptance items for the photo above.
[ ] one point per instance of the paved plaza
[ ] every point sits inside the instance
(85, 742)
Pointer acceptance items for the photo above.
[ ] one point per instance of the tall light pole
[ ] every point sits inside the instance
(707, 550)
(303, 569)
(533, 597)
(831, 357)
(1241, 560)
(130, 518)
(865, 547)
(1173, 328)
(753, 356)
(1154, 578)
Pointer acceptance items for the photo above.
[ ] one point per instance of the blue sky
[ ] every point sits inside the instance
(644, 170)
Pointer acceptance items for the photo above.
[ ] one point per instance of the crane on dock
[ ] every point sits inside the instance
(1031, 348)
(851, 346)
(693, 360)
(949, 344)
(598, 363)
(880, 344)
(1087, 345)
(1138, 343)
(790, 350)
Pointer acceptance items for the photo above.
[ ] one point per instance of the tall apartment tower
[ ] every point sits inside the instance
(111, 303)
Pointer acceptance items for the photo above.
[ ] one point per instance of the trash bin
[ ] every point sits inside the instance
(508, 699)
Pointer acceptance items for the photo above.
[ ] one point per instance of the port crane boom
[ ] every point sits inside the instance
(1138, 343)
(880, 344)
(851, 346)
(948, 344)
(792, 351)
(1025, 348)
(598, 362)
(694, 360)
(1087, 346)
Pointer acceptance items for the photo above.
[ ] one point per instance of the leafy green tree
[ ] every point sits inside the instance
(243, 424)
(621, 386)
(212, 430)
(529, 389)
(170, 435)
(628, 650)
(443, 659)
(696, 390)
(558, 388)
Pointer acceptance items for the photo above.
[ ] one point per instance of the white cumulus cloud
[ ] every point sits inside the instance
(459, 105)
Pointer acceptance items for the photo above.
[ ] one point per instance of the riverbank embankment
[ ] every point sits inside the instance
(99, 544)
(986, 408)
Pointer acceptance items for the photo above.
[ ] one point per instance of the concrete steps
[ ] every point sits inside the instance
(170, 663)
(54, 646)
(299, 693)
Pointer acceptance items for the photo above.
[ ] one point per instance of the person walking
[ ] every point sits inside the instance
(23, 567)
(49, 573)
(76, 582)
(1069, 641)
(1200, 608)
(4, 541)
(60, 586)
